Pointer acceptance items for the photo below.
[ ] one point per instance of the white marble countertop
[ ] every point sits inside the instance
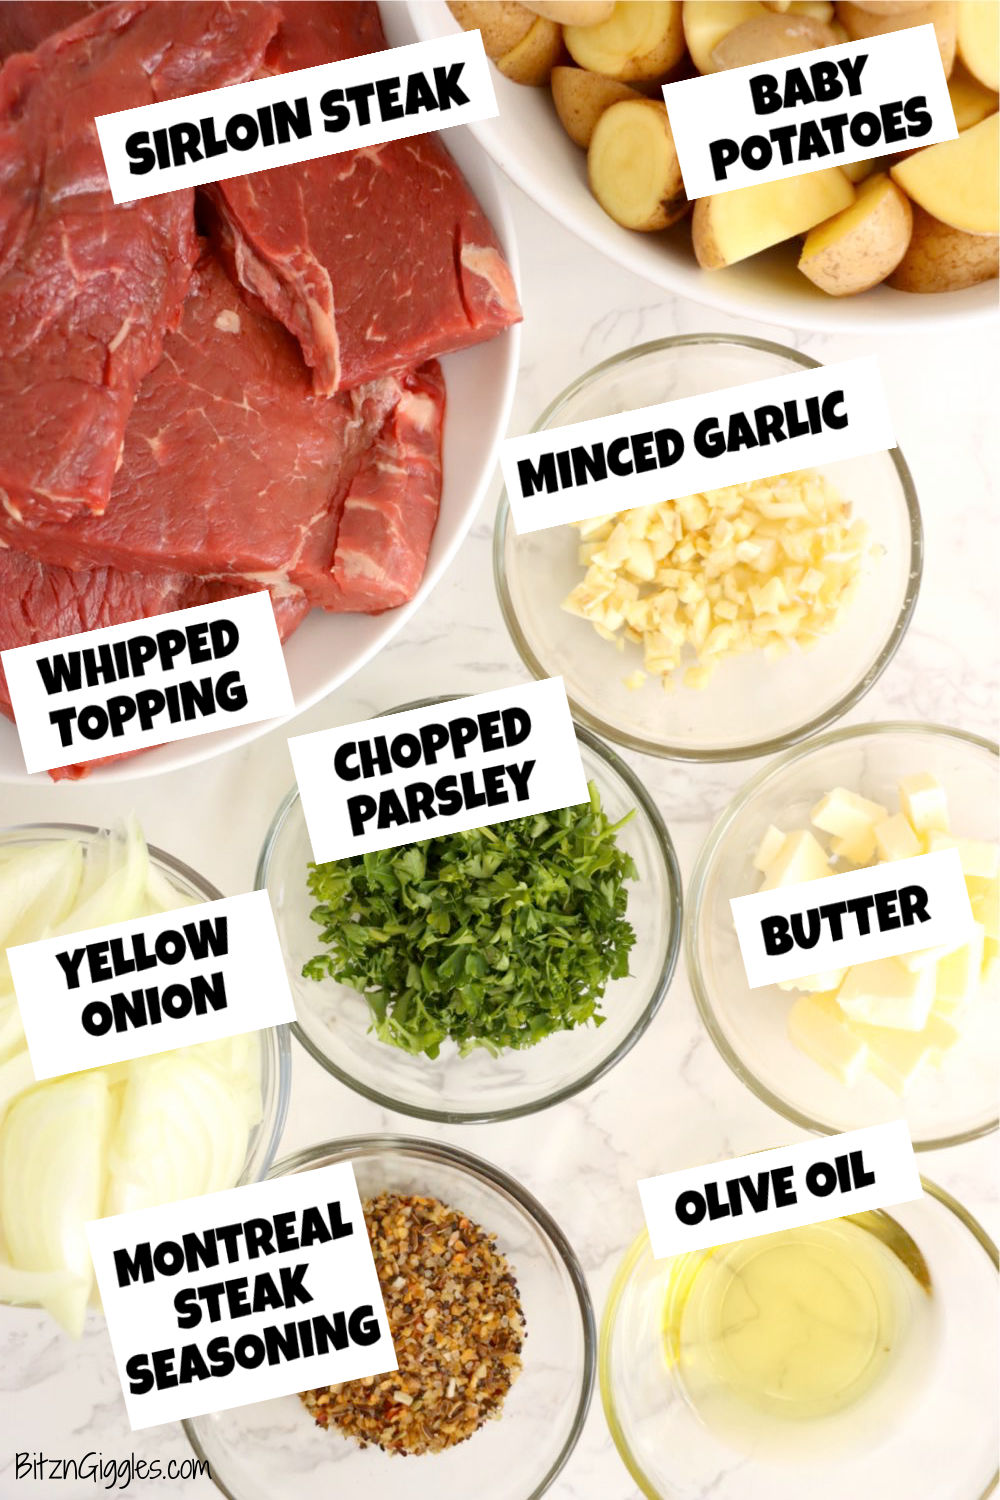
(672, 1102)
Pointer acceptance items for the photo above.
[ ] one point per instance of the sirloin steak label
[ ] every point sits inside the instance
(297, 116)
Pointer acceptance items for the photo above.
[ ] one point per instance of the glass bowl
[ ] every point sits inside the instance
(944, 1106)
(275, 1047)
(751, 706)
(941, 1440)
(333, 1020)
(273, 1449)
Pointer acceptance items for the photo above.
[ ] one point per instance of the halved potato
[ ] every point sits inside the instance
(857, 171)
(957, 181)
(979, 40)
(863, 244)
(536, 54)
(581, 98)
(706, 22)
(767, 37)
(632, 166)
(573, 12)
(819, 10)
(860, 23)
(728, 227)
(884, 7)
(941, 259)
(640, 41)
(501, 23)
(969, 100)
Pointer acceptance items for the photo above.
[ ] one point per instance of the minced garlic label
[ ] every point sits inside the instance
(753, 566)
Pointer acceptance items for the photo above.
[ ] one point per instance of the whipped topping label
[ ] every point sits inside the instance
(298, 116)
(241, 1296)
(134, 988)
(148, 682)
(745, 432)
(782, 1189)
(441, 768)
(825, 108)
(879, 911)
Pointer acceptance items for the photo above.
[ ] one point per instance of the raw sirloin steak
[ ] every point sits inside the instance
(87, 288)
(40, 603)
(233, 467)
(376, 260)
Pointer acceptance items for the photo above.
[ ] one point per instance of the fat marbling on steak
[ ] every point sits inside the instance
(375, 259)
(88, 288)
(233, 467)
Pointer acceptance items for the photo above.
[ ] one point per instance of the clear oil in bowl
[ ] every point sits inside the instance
(793, 1343)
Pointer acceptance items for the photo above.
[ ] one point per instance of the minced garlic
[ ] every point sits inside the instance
(750, 567)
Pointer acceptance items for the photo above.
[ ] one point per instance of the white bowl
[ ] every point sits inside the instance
(528, 142)
(328, 649)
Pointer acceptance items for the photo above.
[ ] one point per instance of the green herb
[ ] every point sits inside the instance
(496, 938)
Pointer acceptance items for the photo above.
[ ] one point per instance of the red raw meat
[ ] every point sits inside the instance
(233, 467)
(25, 23)
(376, 259)
(88, 288)
(41, 603)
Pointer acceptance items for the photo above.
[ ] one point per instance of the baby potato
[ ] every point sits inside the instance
(642, 40)
(502, 23)
(767, 37)
(861, 23)
(632, 166)
(531, 61)
(863, 244)
(942, 259)
(581, 98)
(572, 12)
(706, 22)
(958, 181)
(729, 227)
(978, 25)
(970, 101)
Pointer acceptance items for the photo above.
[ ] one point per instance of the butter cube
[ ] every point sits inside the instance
(816, 1025)
(884, 993)
(990, 972)
(769, 846)
(924, 803)
(895, 839)
(895, 1057)
(815, 984)
(958, 975)
(857, 848)
(979, 859)
(847, 815)
(923, 958)
(984, 898)
(801, 857)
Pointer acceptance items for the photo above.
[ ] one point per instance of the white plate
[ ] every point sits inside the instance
(328, 649)
(528, 142)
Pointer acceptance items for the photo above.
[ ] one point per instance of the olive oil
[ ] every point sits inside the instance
(781, 1341)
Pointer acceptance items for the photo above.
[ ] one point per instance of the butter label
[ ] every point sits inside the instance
(241, 1296)
(298, 116)
(148, 682)
(746, 432)
(746, 1196)
(825, 108)
(439, 769)
(881, 911)
(132, 989)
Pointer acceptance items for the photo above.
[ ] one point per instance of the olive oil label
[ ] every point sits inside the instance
(702, 1207)
(814, 111)
(151, 984)
(344, 105)
(241, 1296)
(699, 442)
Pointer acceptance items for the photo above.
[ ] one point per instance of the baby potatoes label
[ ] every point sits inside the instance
(783, 1189)
(170, 980)
(881, 911)
(298, 116)
(240, 1296)
(439, 769)
(148, 682)
(747, 432)
(799, 114)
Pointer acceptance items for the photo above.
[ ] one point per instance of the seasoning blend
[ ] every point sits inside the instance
(791, 1343)
(456, 1323)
